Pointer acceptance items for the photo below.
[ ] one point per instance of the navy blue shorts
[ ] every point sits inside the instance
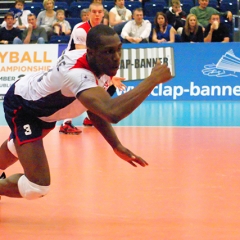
(25, 126)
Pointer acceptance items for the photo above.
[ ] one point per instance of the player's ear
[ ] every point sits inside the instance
(90, 52)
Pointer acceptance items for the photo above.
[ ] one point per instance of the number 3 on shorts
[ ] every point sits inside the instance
(28, 129)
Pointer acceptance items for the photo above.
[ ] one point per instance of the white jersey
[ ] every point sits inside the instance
(51, 96)
(79, 35)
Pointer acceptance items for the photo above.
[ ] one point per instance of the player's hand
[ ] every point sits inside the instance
(129, 157)
(117, 82)
(160, 73)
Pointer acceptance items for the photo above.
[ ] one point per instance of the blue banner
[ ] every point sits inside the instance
(203, 71)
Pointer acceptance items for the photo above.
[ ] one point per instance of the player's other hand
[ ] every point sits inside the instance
(129, 157)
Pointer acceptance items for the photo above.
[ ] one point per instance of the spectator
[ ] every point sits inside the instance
(34, 33)
(204, 13)
(46, 17)
(60, 25)
(20, 15)
(105, 20)
(137, 30)
(176, 16)
(192, 31)
(119, 15)
(10, 34)
(163, 32)
(84, 14)
(216, 31)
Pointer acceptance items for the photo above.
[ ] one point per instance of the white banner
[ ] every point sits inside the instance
(137, 64)
(18, 60)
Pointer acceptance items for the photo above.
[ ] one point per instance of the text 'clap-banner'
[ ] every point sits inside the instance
(137, 64)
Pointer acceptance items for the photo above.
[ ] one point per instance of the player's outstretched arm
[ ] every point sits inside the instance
(113, 110)
(109, 134)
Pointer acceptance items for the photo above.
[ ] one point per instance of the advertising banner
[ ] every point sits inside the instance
(18, 60)
(203, 71)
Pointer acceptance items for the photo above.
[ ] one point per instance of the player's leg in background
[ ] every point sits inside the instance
(111, 90)
(67, 127)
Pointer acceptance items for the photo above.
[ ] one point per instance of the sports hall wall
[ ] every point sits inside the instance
(202, 71)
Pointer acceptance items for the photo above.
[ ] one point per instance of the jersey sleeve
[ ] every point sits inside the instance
(79, 79)
(79, 36)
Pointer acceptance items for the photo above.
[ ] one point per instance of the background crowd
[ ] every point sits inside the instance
(135, 22)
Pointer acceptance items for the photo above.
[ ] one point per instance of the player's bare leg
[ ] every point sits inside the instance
(34, 162)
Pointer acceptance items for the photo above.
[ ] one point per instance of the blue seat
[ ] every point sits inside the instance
(34, 10)
(163, 2)
(33, 5)
(61, 5)
(186, 7)
(75, 9)
(150, 9)
(227, 5)
(59, 39)
(73, 21)
(132, 5)
(150, 19)
(108, 5)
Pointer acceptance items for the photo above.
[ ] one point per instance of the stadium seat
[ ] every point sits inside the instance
(60, 5)
(73, 21)
(229, 5)
(34, 7)
(163, 2)
(59, 39)
(33, 4)
(150, 19)
(132, 5)
(186, 7)
(150, 9)
(76, 7)
(108, 5)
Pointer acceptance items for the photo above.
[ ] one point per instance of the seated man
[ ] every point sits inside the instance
(204, 13)
(137, 30)
(216, 31)
(34, 33)
(10, 34)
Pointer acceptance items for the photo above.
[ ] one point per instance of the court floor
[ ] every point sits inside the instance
(189, 191)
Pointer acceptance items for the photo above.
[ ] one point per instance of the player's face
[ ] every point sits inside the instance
(108, 55)
(203, 3)
(96, 15)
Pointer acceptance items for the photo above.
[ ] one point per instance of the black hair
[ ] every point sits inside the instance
(95, 34)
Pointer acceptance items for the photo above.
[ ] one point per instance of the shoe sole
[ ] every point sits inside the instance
(67, 133)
